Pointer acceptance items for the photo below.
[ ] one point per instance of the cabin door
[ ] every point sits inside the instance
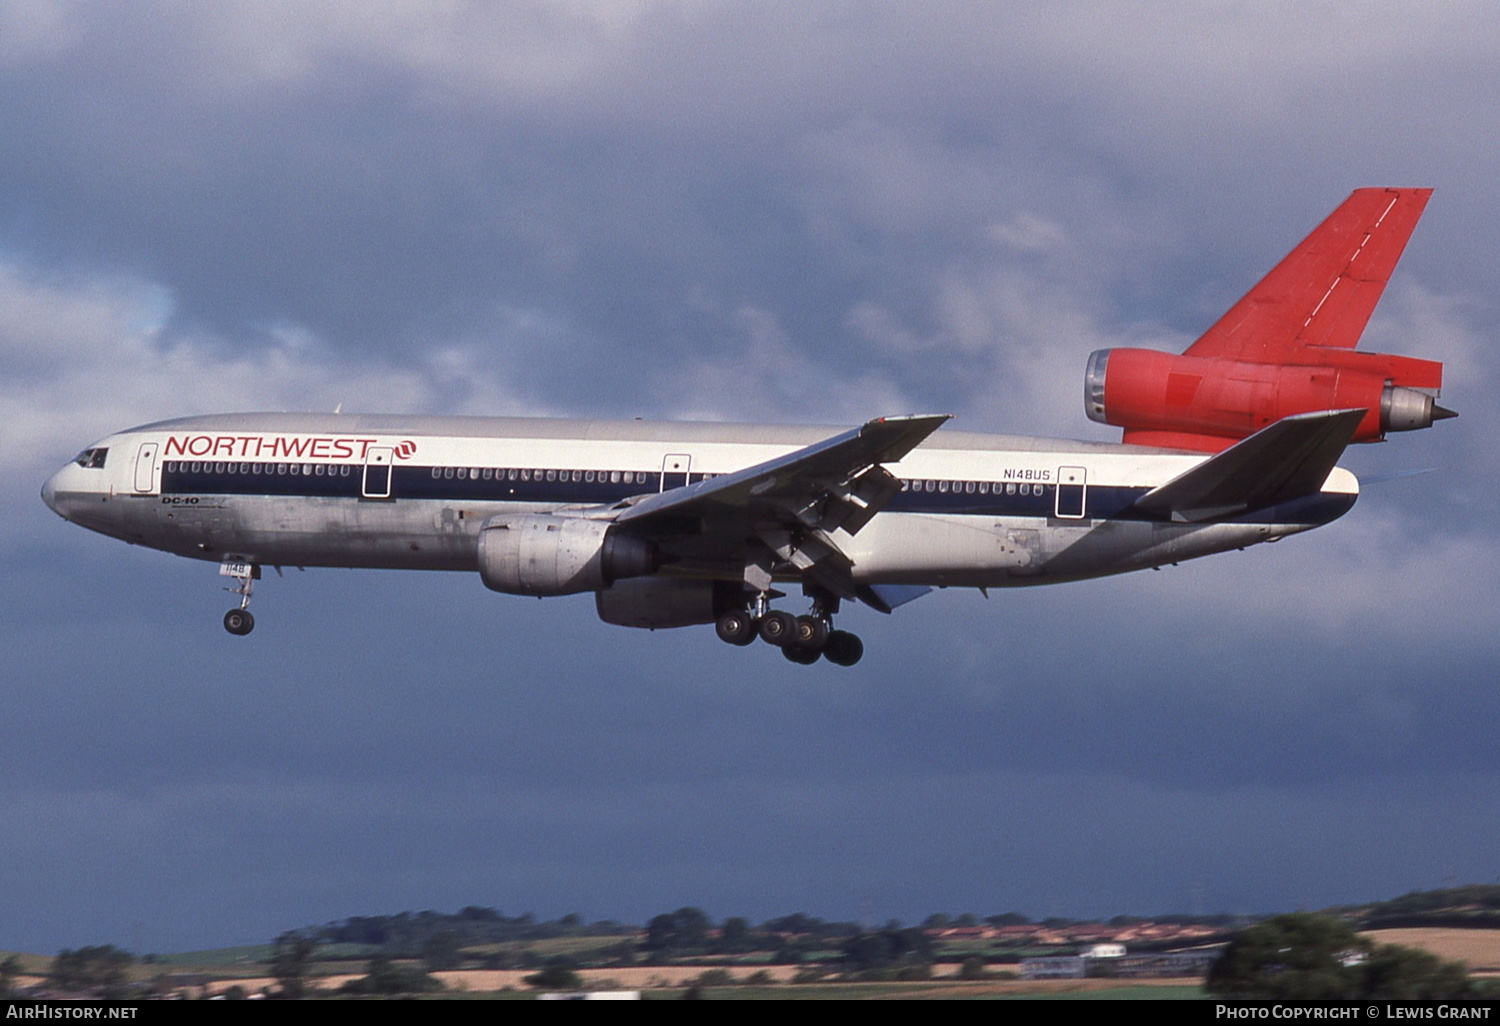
(377, 482)
(145, 469)
(674, 470)
(1071, 484)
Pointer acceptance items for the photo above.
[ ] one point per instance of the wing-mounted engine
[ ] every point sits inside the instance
(1286, 348)
(544, 554)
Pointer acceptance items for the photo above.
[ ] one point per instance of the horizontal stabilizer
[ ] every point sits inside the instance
(1288, 460)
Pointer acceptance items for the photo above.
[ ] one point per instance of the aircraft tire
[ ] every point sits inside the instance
(843, 648)
(798, 654)
(239, 622)
(811, 633)
(778, 628)
(736, 627)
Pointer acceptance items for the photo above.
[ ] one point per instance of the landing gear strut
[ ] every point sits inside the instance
(239, 621)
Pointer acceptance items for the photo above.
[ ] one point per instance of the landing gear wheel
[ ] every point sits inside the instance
(805, 656)
(736, 627)
(843, 648)
(811, 633)
(778, 628)
(239, 621)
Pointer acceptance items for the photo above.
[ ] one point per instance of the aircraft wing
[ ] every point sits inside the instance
(1323, 292)
(1287, 460)
(786, 509)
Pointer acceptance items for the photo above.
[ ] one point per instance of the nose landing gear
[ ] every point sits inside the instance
(239, 621)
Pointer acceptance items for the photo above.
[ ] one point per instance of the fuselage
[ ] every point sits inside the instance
(413, 492)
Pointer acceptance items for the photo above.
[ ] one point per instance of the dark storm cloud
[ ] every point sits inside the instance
(816, 212)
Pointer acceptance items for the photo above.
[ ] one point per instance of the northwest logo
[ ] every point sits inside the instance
(406, 449)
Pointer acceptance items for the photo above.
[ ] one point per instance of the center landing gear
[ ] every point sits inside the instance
(239, 621)
(802, 639)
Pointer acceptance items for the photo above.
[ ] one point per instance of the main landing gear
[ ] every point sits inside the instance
(239, 621)
(802, 639)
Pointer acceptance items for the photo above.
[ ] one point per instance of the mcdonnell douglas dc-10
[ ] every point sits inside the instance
(1231, 443)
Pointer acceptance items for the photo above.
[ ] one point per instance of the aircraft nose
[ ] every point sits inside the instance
(49, 494)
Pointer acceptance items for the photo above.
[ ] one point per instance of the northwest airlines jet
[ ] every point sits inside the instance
(1231, 443)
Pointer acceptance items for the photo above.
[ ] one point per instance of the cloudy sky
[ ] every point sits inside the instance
(815, 212)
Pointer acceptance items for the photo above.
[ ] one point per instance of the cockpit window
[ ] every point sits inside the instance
(92, 459)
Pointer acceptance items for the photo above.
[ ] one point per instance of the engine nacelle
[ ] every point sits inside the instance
(660, 602)
(1208, 403)
(541, 554)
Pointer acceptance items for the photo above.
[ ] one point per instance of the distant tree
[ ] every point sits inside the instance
(102, 969)
(685, 928)
(10, 971)
(972, 969)
(442, 950)
(291, 959)
(476, 914)
(557, 976)
(1302, 956)
(903, 953)
(936, 921)
(383, 976)
(1008, 919)
(735, 935)
(797, 922)
(1407, 974)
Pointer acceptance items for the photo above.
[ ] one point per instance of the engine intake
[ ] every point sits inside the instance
(541, 554)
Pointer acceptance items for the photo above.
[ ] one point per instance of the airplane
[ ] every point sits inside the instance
(1230, 444)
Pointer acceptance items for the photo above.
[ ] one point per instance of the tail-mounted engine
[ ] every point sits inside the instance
(541, 554)
(1207, 403)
